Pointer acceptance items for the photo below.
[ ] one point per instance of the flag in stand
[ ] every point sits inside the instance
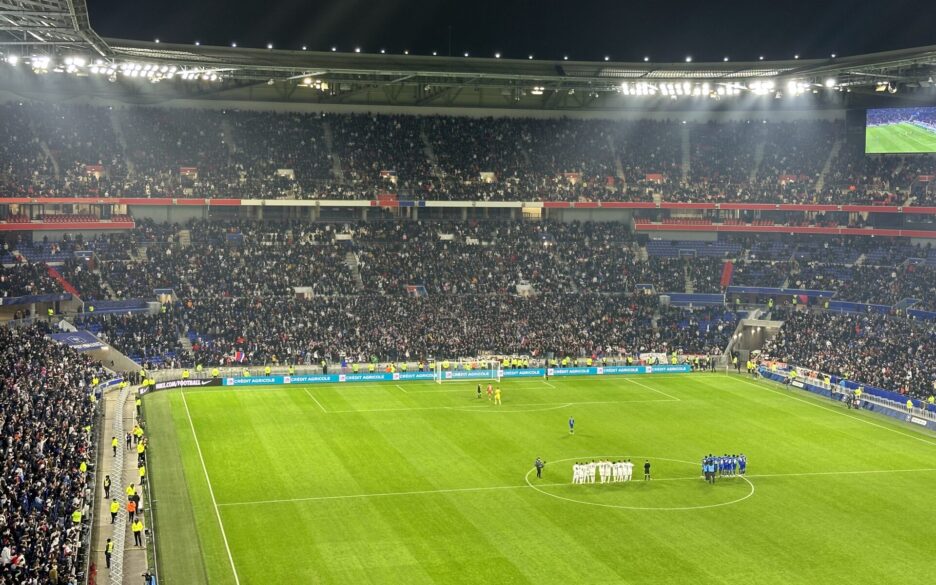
(239, 356)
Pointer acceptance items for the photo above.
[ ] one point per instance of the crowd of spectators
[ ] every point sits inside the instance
(884, 351)
(81, 150)
(45, 419)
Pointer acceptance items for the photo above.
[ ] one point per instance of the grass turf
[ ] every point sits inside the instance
(899, 138)
(422, 483)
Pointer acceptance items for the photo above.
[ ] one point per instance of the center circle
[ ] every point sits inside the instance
(637, 472)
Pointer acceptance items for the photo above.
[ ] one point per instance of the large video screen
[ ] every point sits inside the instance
(900, 130)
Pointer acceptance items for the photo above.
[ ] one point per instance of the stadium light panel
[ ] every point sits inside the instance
(12, 59)
(406, 51)
(830, 82)
(565, 57)
(796, 56)
(383, 51)
(689, 59)
(833, 55)
(357, 49)
(761, 58)
(466, 53)
(334, 49)
(497, 55)
(305, 48)
(269, 45)
(155, 40)
(435, 53)
(646, 59)
(233, 45)
(607, 58)
(725, 59)
(529, 56)
(197, 43)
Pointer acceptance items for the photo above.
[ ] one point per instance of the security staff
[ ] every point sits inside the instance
(370, 367)
(291, 370)
(266, 371)
(185, 374)
(137, 528)
(114, 509)
(215, 372)
(76, 516)
(355, 367)
(108, 551)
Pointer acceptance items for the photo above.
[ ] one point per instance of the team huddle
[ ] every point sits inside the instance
(724, 466)
(605, 471)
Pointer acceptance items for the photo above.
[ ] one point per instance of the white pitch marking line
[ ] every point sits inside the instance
(315, 399)
(560, 484)
(401, 388)
(548, 384)
(671, 397)
(214, 502)
(765, 386)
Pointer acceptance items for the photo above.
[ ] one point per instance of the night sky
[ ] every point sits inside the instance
(548, 29)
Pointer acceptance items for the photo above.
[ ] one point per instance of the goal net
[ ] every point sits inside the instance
(487, 370)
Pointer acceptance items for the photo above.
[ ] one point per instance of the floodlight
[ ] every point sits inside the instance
(334, 49)
(607, 58)
(646, 59)
(830, 82)
(497, 55)
(12, 59)
(725, 59)
(197, 43)
(357, 49)
(689, 59)
(529, 56)
(233, 45)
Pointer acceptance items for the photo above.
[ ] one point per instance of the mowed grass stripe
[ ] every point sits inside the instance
(278, 443)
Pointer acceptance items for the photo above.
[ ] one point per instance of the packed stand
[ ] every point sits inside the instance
(887, 352)
(161, 152)
(45, 491)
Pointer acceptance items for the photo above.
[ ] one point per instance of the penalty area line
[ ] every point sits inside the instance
(315, 399)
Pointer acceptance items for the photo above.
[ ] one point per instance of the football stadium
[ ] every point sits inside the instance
(319, 314)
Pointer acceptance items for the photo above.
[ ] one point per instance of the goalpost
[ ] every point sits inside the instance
(491, 371)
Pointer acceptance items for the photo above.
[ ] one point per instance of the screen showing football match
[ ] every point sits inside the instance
(900, 130)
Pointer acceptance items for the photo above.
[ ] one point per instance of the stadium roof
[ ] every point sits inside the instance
(55, 36)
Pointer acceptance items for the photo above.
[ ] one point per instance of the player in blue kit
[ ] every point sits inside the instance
(571, 426)
(742, 464)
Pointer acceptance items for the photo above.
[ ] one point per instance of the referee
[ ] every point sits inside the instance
(539, 464)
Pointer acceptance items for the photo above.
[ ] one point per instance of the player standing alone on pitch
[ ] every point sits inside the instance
(539, 464)
(571, 426)
(646, 470)
(479, 391)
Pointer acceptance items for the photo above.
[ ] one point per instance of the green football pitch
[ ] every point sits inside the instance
(897, 138)
(420, 483)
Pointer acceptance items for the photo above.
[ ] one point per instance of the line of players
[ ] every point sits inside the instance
(724, 466)
(606, 471)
